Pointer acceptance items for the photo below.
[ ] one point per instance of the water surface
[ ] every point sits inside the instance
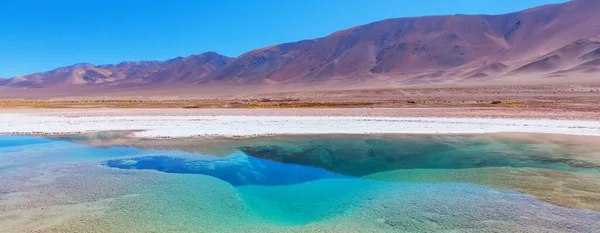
(385, 183)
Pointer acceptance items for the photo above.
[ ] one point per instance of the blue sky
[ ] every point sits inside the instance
(42, 35)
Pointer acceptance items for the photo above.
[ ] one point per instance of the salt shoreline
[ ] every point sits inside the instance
(251, 126)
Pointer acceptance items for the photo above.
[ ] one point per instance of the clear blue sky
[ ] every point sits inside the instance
(42, 35)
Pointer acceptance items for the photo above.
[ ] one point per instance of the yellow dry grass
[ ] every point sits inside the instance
(31, 104)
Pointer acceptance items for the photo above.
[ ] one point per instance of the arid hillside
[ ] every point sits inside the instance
(549, 44)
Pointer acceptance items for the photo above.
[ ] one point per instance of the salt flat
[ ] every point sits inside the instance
(153, 126)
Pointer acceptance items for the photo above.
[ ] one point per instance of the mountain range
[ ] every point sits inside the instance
(559, 42)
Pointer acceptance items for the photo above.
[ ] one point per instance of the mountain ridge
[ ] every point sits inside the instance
(397, 51)
(124, 72)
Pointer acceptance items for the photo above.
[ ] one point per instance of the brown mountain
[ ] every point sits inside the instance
(458, 47)
(144, 72)
(262, 63)
(570, 56)
(189, 68)
(549, 41)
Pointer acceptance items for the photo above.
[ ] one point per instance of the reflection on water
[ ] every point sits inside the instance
(299, 159)
(364, 155)
(23, 151)
(376, 183)
(237, 169)
(13, 141)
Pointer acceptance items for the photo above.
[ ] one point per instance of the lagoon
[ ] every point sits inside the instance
(326, 183)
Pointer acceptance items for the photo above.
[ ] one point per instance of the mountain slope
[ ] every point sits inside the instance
(566, 57)
(189, 68)
(409, 47)
(174, 70)
(261, 63)
(553, 40)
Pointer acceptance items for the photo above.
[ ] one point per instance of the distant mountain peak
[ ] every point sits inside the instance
(124, 72)
(529, 44)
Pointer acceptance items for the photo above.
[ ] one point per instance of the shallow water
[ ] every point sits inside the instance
(301, 184)
(238, 169)
(364, 155)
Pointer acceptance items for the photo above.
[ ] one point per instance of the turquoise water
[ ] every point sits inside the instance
(23, 151)
(13, 141)
(364, 155)
(302, 184)
(238, 169)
